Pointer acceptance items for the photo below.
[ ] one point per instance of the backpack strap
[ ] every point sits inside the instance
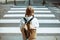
(27, 33)
(25, 20)
(29, 20)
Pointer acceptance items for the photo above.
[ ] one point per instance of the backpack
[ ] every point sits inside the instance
(27, 27)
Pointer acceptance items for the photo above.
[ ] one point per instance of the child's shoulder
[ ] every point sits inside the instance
(35, 19)
(22, 19)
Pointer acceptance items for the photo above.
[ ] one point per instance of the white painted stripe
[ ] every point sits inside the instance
(18, 21)
(9, 20)
(22, 15)
(9, 30)
(25, 11)
(54, 8)
(49, 21)
(39, 30)
(25, 8)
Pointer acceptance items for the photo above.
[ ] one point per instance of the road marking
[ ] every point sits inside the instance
(22, 15)
(18, 21)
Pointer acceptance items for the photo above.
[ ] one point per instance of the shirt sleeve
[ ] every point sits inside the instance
(35, 23)
(21, 23)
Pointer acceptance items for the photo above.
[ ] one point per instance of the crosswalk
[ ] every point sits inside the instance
(22, 15)
(24, 11)
(18, 21)
(49, 24)
(44, 15)
(39, 30)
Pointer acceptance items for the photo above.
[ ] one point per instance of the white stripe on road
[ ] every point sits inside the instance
(49, 21)
(39, 30)
(25, 8)
(9, 20)
(18, 21)
(22, 15)
(25, 11)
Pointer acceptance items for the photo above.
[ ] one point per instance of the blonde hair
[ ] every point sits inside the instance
(29, 11)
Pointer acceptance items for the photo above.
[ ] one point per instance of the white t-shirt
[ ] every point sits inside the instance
(34, 21)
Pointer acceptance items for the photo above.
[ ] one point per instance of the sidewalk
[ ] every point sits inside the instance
(4, 9)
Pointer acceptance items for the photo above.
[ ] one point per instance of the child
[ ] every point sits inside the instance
(31, 32)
